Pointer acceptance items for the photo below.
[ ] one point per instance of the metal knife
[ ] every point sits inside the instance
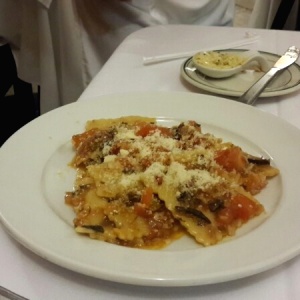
(288, 58)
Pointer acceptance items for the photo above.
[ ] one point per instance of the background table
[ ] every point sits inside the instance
(35, 278)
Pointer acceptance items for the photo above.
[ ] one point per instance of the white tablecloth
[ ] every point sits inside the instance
(35, 278)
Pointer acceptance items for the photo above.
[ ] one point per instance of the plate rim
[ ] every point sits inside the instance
(153, 278)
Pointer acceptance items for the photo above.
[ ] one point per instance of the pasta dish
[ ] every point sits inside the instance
(143, 185)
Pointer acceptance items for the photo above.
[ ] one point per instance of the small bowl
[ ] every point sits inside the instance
(221, 64)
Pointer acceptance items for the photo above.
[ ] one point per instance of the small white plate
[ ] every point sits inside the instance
(34, 177)
(286, 82)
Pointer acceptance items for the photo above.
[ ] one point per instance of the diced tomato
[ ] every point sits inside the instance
(79, 138)
(148, 129)
(165, 131)
(225, 216)
(241, 208)
(141, 210)
(147, 196)
(231, 159)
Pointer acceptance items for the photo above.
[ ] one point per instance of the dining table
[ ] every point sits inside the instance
(151, 60)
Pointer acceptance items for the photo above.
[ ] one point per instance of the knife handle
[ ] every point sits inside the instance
(250, 96)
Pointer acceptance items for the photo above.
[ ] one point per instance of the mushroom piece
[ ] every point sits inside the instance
(257, 160)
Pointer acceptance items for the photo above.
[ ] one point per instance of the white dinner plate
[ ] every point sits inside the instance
(286, 82)
(34, 176)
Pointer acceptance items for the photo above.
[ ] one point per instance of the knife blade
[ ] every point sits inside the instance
(288, 58)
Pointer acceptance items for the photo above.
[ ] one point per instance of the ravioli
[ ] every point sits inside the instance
(143, 185)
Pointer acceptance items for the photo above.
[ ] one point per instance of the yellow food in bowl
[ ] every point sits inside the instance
(218, 60)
